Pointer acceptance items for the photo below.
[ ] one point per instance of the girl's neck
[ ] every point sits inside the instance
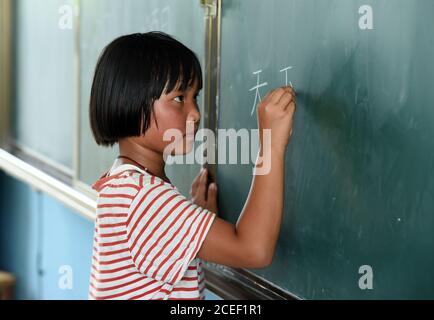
(147, 158)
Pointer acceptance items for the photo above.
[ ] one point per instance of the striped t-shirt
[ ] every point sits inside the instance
(146, 239)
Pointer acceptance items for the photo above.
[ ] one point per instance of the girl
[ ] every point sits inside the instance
(149, 239)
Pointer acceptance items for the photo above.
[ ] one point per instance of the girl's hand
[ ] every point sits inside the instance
(203, 196)
(276, 113)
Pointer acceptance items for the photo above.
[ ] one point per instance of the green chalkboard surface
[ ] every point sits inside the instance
(359, 177)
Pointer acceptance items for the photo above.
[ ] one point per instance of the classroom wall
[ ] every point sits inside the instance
(42, 242)
(38, 235)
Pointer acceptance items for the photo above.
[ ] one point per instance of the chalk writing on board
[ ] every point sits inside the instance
(264, 84)
(286, 75)
(256, 88)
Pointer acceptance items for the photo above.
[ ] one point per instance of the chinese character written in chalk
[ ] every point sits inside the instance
(286, 75)
(260, 85)
(257, 87)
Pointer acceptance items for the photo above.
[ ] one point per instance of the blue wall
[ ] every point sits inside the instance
(37, 237)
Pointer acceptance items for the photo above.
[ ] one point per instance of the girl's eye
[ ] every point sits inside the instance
(179, 99)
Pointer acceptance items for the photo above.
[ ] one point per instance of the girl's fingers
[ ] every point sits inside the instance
(285, 100)
(278, 93)
(195, 183)
(287, 94)
(292, 106)
(212, 198)
(290, 90)
(201, 188)
(268, 95)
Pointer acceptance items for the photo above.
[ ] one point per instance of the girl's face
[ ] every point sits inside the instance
(177, 116)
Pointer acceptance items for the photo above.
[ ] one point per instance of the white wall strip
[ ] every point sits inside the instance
(39, 180)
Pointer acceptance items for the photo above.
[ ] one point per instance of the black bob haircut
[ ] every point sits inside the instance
(132, 73)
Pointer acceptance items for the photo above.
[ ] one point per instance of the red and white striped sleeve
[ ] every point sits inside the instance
(165, 231)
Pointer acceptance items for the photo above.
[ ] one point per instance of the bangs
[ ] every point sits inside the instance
(178, 69)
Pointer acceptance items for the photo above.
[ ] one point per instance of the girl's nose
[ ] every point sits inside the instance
(194, 114)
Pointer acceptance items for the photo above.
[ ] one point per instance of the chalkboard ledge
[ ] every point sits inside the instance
(239, 284)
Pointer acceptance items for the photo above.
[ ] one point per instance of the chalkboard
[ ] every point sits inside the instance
(359, 183)
(101, 21)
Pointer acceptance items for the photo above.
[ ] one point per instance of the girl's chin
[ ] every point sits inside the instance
(187, 147)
